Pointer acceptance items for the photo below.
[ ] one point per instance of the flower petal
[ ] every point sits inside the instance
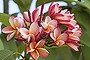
(18, 22)
(40, 44)
(53, 23)
(59, 43)
(62, 37)
(11, 21)
(52, 36)
(34, 28)
(9, 36)
(24, 31)
(35, 55)
(27, 49)
(32, 45)
(35, 14)
(7, 29)
(26, 17)
(73, 46)
(42, 52)
(44, 25)
(32, 37)
(57, 32)
(47, 19)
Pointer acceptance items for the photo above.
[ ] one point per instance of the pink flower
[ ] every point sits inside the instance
(36, 50)
(59, 39)
(53, 9)
(32, 32)
(49, 25)
(34, 16)
(15, 23)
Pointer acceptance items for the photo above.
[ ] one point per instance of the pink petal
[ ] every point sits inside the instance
(34, 28)
(32, 37)
(53, 23)
(47, 20)
(51, 28)
(24, 31)
(40, 44)
(42, 52)
(9, 36)
(52, 36)
(32, 45)
(57, 32)
(63, 36)
(18, 22)
(35, 14)
(59, 42)
(26, 17)
(11, 21)
(73, 46)
(27, 49)
(44, 25)
(7, 29)
(35, 55)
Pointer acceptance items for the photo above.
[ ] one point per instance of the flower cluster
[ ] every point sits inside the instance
(57, 28)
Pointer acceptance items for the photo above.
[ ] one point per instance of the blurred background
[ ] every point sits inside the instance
(81, 9)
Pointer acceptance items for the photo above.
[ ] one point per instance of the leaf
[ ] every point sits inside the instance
(6, 55)
(83, 18)
(23, 5)
(4, 19)
(86, 52)
(61, 53)
(39, 2)
(9, 45)
(1, 45)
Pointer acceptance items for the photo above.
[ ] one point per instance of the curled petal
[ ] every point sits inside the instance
(57, 32)
(42, 52)
(35, 55)
(35, 14)
(7, 29)
(11, 21)
(18, 22)
(26, 17)
(24, 31)
(40, 44)
(34, 28)
(9, 36)
(52, 36)
(73, 46)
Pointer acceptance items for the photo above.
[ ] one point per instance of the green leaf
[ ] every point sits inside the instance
(6, 55)
(23, 5)
(4, 19)
(39, 2)
(86, 52)
(1, 45)
(61, 53)
(9, 45)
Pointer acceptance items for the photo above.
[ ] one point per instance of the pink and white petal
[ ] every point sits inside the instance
(7, 29)
(24, 31)
(47, 19)
(44, 25)
(35, 14)
(52, 36)
(42, 52)
(11, 21)
(59, 43)
(53, 23)
(63, 37)
(57, 32)
(18, 22)
(32, 37)
(9, 36)
(34, 55)
(51, 28)
(40, 43)
(34, 28)
(32, 45)
(73, 46)
(26, 17)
